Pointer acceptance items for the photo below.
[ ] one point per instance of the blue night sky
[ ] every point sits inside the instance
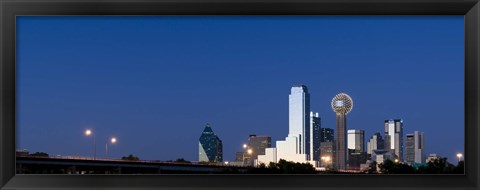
(153, 82)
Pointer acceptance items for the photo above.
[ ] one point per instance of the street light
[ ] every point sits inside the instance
(325, 160)
(459, 155)
(113, 140)
(89, 132)
(396, 160)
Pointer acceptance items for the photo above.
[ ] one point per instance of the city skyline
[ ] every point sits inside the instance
(150, 89)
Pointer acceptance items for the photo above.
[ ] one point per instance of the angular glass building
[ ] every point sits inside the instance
(210, 148)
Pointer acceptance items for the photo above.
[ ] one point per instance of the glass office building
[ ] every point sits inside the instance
(356, 140)
(299, 118)
(210, 148)
(315, 133)
(394, 137)
(326, 135)
(375, 143)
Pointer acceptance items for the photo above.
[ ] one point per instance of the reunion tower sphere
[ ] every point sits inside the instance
(342, 103)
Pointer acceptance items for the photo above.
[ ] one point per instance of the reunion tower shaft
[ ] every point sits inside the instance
(341, 104)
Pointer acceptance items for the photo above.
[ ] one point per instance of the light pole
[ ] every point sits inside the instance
(113, 140)
(459, 155)
(89, 132)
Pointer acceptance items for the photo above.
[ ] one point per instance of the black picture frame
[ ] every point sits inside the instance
(9, 9)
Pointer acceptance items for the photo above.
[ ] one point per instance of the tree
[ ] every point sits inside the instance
(390, 167)
(181, 160)
(460, 168)
(39, 154)
(130, 157)
(386, 167)
(372, 168)
(437, 166)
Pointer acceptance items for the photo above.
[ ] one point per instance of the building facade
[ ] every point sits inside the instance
(299, 118)
(257, 145)
(394, 137)
(356, 140)
(326, 135)
(210, 147)
(315, 126)
(327, 154)
(375, 143)
(415, 148)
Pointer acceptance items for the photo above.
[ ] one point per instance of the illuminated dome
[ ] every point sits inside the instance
(342, 103)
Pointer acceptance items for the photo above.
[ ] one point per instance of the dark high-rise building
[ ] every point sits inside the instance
(210, 148)
(326, 135)
(341, 104)
(414, 150)
(394, 137)
(355, 159)
(256, 146)
(315, 127)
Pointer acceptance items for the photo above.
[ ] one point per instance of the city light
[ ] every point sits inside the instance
(459, 155)
(89, 132)
(249, 151)
(113, 140)
(327, 158)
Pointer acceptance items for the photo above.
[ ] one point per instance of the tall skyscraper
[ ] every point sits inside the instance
(257, 145)
(375, 143)
(415, 149)
(341, 104)
(394, 137)
(296, 146)
(326, 135)
(210, 148)
(356, 140)
(315, 127)
(299, 117)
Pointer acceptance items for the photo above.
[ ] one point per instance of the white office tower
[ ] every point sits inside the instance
(415, 149)
(296, 146)
(394, 137)
(299, 118)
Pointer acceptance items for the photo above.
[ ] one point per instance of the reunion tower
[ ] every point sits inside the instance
(342, 104)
